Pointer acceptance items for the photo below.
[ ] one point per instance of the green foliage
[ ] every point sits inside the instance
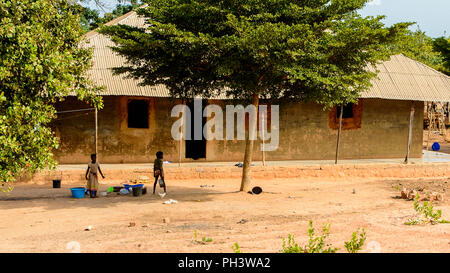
(90, 18)
(418, 46)
(315, 50)
(427, 214)
(291, 246)
(40, 63)
(356, 242)
(442, 45)
(204, 240)
(316, 244)
(236, 248)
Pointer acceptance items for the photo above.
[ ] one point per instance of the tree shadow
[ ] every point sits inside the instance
(29, 196)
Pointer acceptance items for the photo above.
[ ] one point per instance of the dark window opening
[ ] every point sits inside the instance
(196, 149)
(348, 111)
(138, 114)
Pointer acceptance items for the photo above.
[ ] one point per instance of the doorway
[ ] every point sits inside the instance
(195, 149)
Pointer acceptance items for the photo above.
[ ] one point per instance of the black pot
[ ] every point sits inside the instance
(137, 191)
(57, 183)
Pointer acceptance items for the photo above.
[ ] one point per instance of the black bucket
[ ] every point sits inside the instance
(144, 191)
(57, 183)
(117, 189)
(137, 191)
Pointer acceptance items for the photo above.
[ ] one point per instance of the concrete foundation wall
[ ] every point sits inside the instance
(305, 133)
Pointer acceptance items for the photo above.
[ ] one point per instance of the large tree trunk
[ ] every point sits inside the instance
(245, 183)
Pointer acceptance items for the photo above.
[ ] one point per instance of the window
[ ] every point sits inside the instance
(348, 111)
(351, 117)
(138, 114)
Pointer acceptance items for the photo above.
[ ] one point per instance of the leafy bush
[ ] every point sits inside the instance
(427, 214)
(355, 244)
(316, 243)
(291, 246)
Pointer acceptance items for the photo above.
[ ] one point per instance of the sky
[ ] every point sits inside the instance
(431, 16)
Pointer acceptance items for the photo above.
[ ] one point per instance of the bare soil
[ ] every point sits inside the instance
(37, 218)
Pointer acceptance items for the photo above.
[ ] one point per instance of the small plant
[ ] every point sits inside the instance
(291, 246)
(236, 248)
(356, 242)
(316, 243)
(195, 235)
(204, 240)
(427, 214)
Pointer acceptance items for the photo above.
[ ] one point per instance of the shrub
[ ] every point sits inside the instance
(426, 213)
(316, 244)
(355, 244)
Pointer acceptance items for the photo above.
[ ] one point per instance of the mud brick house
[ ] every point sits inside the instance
(136, 120)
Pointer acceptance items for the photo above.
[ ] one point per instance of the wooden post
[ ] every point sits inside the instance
(181, 136)
(339, 134)
(96, 132)
(262, 132)
(411, 123)
(430, 124)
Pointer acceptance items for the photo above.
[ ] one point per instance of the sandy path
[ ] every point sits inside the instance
(38, 218)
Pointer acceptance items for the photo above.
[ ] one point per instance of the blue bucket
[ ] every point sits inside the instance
(436, 147)
(77, 192)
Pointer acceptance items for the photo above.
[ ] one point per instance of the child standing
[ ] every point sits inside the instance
(92, 176)
(158, 170)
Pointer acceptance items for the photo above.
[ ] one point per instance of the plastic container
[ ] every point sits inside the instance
(117, 189)
(124, 192)
(57, 183)
(78, 192)
(436, 147)
(129, 187)
(137, 191)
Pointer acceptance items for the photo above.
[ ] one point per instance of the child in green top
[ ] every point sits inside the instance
(158, 170)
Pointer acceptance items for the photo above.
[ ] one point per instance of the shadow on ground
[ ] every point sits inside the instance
(27, 196)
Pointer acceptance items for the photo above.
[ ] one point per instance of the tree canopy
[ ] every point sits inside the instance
(314, 50)
(418, 46)
(442, 45)
(41, 62)
(311, 50)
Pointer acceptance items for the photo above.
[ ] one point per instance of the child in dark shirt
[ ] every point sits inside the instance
(158, 170)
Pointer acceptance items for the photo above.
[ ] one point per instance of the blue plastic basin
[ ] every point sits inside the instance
(78, 192)
(128, 187)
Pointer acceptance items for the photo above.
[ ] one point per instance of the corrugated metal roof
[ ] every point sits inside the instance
(104, 59)
(400, 78)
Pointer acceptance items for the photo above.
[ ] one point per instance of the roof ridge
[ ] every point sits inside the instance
(114, 21)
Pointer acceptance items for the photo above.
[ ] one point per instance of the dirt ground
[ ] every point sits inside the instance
(37, 218)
